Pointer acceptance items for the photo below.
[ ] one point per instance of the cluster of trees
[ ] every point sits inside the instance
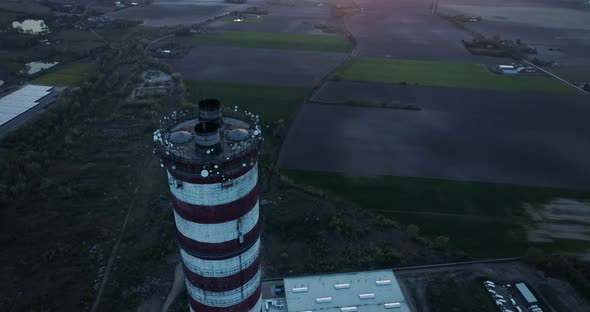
(116, 73)
(568, 267)
(497, 46)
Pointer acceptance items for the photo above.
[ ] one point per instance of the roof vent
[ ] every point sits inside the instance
(367, 296)
(383, 282)
(299, 289)
(342, 286)
(323, 300)
(348, 309)
(392, 305)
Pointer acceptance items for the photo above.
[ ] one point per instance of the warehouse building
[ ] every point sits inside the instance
(23, 103)
(372, 291)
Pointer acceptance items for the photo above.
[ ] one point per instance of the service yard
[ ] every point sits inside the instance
(460, 288)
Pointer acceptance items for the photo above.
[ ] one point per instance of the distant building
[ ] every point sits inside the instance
(371, 291)
(508, 69)
(526, 294)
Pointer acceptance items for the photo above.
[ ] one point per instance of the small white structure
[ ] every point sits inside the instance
(526, 293)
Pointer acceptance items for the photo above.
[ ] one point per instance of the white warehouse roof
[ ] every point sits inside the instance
(526, 293)
(21, 101)
(372, 291)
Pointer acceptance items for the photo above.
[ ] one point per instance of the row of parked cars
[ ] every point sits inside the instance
(501, 302)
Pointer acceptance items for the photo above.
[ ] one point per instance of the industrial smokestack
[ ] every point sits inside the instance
(207, 140)
(214, 189)
(210, 111)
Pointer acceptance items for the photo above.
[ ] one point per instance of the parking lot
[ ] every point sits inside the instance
(507, 298)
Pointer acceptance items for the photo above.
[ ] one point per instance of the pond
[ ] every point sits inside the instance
(35, 67)
(31, 26)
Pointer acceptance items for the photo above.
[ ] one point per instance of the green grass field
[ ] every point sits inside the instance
(270, 102)
(270, 40)
(445, 74)
(68, 75)
(483, 219)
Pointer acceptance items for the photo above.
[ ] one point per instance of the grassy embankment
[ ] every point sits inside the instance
(483, 219)
(445, 74)
(333, 43)
(69, 75)
(271, 102)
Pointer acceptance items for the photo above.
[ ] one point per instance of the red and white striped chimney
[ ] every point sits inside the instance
(211, 162)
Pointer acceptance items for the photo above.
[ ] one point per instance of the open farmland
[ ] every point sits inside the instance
(261, 66)
(407, 29)
(283, 19)
(445, 74)
(162, 14)
(68, 75)
(331, 43)
(460, 134)
(272, 102)
(483, 219)
(557, 29)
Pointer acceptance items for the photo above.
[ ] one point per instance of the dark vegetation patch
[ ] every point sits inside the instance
(66, 182)
(271, 102)
(375, 104)
(335, 43)
(304, 233)
(455, 293)
(576, 271)
(485, 220)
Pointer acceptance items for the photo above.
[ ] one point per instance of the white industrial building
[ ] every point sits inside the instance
(372, 291)
(21, 101)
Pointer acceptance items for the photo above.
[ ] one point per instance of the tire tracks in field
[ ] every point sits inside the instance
(316, 89)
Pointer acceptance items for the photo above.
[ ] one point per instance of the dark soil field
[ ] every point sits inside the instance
(477, 135)
(407, 29)
(159, 15)
(545, 25)
(299, 19)
(261, 66)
